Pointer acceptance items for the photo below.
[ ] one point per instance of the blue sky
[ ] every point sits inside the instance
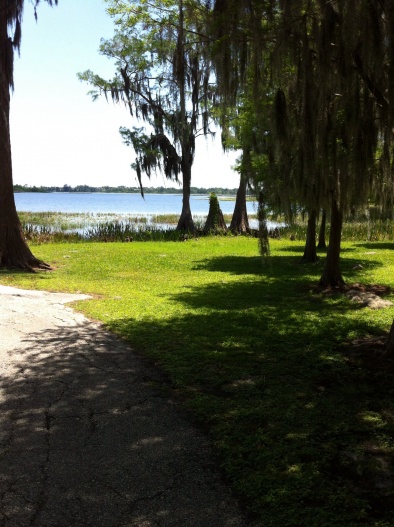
(58, 135)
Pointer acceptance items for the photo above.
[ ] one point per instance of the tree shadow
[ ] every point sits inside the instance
(238, 265)
(378, 245)
(320, 252)
(241, 265)
(278, 267)
(90, 437)
(295, 421)
(293, 248)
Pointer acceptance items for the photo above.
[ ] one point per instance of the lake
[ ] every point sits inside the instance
(134, 204)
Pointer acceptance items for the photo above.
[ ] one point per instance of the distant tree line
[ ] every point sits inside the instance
(122, 189)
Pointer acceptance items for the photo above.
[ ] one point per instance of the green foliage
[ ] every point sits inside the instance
(163, 76)
(303, 427)
(311, 84)
(214, 206)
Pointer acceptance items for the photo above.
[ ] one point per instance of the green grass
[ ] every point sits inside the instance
(303, 430)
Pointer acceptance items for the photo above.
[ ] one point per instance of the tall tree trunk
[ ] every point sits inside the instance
(310, 254)
(322, 231)
(14, 252)
(240, 221)
(389, 351)
(332, 275)
(264, 245)
(185, 222)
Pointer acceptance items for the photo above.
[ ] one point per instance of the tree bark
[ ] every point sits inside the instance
(322, 231)
(264, 245)
(332, 276)
(186, 222)
(240, 221)
(389, 351)
(215, 221)
(310, 254)
(14, 251)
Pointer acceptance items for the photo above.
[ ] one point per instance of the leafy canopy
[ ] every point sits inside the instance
(163, 75)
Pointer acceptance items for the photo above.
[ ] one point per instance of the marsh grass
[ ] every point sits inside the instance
(55, 227)
(353, 230)
(303, 427)
(43, 227)
(171, 219)
(128, 232)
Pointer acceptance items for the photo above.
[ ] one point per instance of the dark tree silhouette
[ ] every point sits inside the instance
(332, 68)
(240, 221)
(310, 254)
(322, 231)
(14, 252)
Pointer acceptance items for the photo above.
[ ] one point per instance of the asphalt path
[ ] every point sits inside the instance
(88, 437)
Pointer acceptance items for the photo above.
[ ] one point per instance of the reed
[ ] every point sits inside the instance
(43, 227)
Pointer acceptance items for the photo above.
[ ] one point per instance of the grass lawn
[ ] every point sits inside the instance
(303, 426)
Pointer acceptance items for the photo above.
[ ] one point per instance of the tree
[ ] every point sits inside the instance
(389, 348)
(239, 69)
(321, 244)
(14, 251)
(239, 220)
(163, 75)
(215, 220)
(331, 65)
(232, 138)
(310, 254)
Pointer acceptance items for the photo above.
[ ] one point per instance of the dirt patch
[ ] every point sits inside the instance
(364, 295)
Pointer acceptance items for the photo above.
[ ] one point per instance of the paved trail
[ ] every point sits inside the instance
(86, 437)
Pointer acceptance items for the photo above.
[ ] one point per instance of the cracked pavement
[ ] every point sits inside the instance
(87, 437)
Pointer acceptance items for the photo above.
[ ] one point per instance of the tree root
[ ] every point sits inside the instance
(25, 264)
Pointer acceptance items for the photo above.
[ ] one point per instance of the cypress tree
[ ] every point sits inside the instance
(164, 77)
(331, 67)
(14, 251)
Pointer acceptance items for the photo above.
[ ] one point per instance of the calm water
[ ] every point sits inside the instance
(116, 203)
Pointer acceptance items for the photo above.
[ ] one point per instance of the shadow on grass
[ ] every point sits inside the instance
(280, 268)
(377, 245)
(305, 437)
(238, 265)
(293, 248)
(241, 265)
(320, 252)
(11, 272)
